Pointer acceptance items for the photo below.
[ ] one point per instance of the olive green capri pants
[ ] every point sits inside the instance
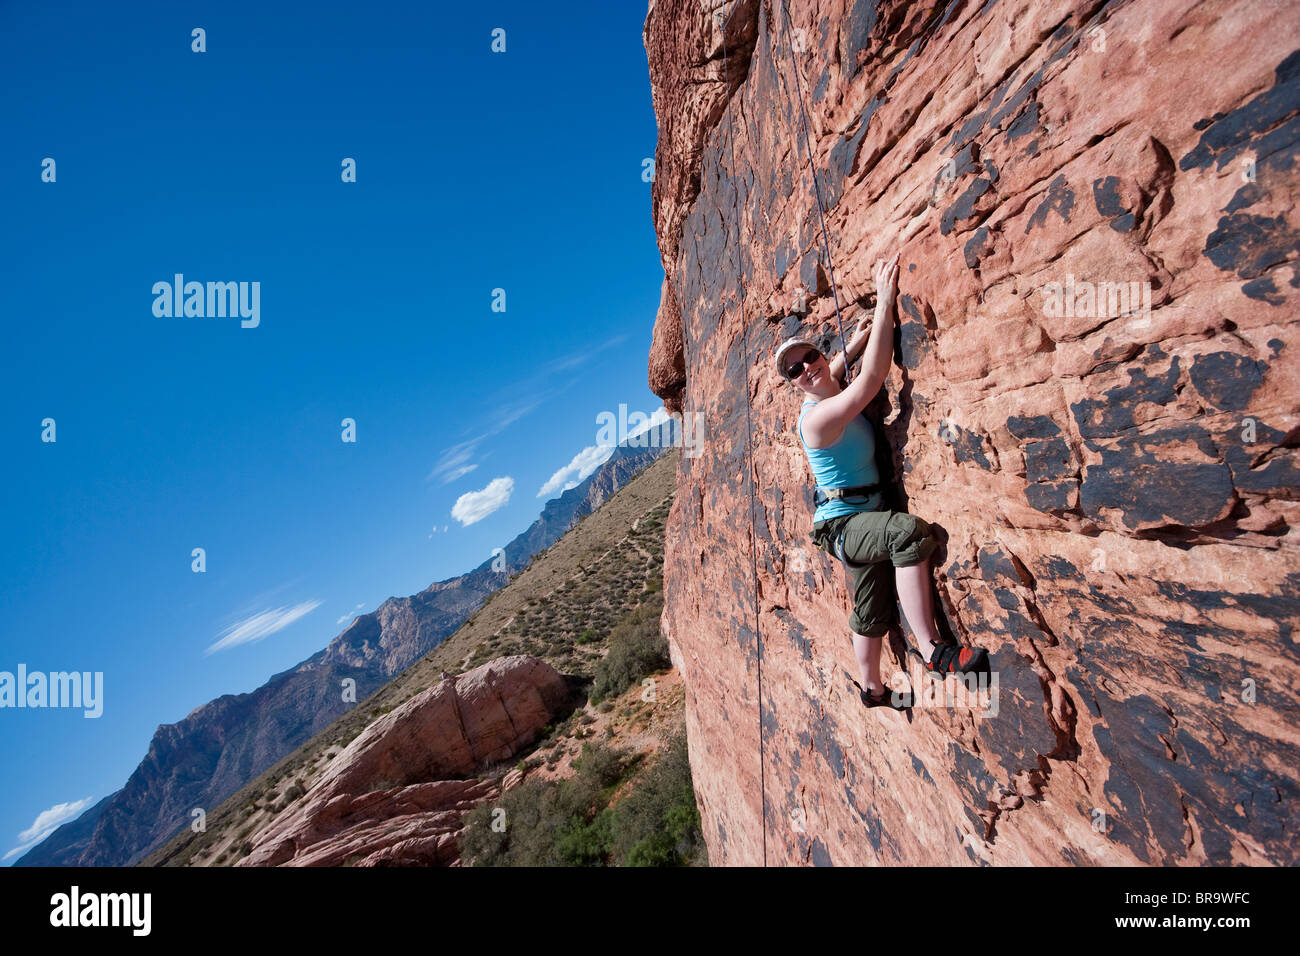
(875, 542)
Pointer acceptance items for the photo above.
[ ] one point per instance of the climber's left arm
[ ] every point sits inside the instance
(886, 289)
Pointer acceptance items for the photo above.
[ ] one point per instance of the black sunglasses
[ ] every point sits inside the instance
(795, 370)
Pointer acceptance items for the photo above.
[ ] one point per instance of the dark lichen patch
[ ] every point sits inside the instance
(996, 566)
(1264, 290)
(1060, 198)
(1032, 427)
(966, 445)
(1151, 482)
(793, 630)
(964, 207)
(913, 344)
(1083, 689)
(1275, 477)
(1026, 123)
(1105, 192)
(1114, 411)
(856, 35)
(822, 739)
(1053, 497)
(1225, 136)
(1249, 245)
(1020, 733)
(1279, 606)
(976, 246)
(1227, 380)
(920, 770)
(1140, 783)
(818, 855)
(1049, 460)
(973, 779)
(1058, 567)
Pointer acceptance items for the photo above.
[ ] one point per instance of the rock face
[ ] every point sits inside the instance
(220, 746)
(1115, 487)
(393, 796)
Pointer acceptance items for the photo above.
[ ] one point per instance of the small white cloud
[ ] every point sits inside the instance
(345, 619)
(361, 605)
(46, 822)
(260, 625)
(577, 470)
(476, 505)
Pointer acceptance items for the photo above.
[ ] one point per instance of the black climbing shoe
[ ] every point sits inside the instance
(888, 697)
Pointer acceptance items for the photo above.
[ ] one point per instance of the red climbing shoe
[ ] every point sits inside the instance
(955, 659)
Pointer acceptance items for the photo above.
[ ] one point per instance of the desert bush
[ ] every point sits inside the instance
(636, 648)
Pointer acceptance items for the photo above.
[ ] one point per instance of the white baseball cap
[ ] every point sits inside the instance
(786, 346)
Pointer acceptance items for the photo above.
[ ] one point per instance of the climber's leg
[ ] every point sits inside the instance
(911, 542)
(867, 651)
(913, 584)
(873, 612)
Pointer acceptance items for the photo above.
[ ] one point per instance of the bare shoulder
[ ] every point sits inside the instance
(820, 428)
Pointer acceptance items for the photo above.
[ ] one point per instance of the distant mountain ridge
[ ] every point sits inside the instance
(223, 744)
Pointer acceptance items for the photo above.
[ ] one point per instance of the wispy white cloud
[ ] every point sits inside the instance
(260, 625)
(591, 458)
(47, 821)
(455, 461)
(577, 470)
(476, 505)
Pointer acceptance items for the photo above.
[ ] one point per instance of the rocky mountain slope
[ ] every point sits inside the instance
(364, 791)
(1115, 486)
(220, 746)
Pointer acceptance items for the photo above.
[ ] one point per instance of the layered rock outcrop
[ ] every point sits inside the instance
(1114, 483)
(396, 794)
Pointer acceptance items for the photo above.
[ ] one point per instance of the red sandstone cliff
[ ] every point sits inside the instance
(1116, 494)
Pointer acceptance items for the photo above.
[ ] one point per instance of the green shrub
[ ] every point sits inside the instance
(570, 823)
(659, 824)
(636, 648)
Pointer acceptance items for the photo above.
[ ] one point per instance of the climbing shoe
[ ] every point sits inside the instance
(886, 698)
(956, 659)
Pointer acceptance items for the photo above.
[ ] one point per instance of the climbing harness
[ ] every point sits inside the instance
(823, 495)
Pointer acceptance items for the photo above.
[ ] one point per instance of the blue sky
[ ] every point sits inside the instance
(475, 171)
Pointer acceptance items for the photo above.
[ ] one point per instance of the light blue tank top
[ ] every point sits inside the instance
(849, 462)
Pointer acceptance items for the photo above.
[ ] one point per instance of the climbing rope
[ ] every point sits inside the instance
(740, 286)
(749, 443)
(817, 193)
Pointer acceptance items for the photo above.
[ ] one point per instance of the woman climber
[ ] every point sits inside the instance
(849, 522)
